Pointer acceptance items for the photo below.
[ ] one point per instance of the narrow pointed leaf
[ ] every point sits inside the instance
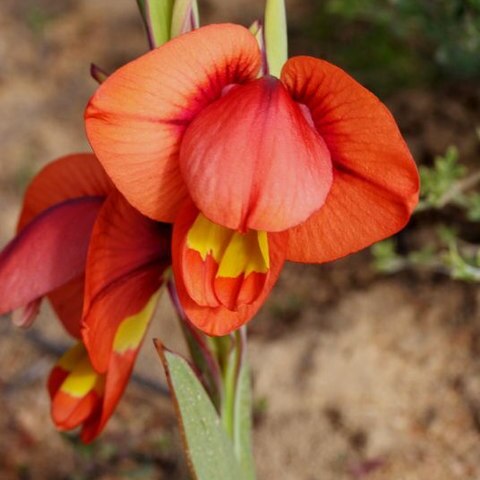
(195, 15)
(209, 451)
(276, 42)
(158, 19)
(184, 17)
(255, 27)
(257, 30)
(97, 73)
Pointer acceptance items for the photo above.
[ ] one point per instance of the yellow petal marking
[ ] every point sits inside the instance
(69, 360)
(208, 238)
(82, 378)
(236, 253)
(132, 329)
(245, 254)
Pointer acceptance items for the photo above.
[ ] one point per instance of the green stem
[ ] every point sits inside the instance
(201, 354)
(230, 360)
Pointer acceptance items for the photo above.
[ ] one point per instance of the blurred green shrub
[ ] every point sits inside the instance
(389, 43)
(447, 186)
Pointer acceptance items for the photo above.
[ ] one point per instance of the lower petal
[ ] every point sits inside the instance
(224, 277)
(69, 412)
(117, 376)
(218, 264)
(75, 389)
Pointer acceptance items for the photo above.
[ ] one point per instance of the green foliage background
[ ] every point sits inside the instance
(395, 43)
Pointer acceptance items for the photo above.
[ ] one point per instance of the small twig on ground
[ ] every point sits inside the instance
(459, 187)
(56, 349)
(453, 193)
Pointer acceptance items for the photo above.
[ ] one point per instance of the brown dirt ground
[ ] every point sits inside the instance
(356, 376)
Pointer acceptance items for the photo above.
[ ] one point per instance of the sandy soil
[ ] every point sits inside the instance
(356, 376)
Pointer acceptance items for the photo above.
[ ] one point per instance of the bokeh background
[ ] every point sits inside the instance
(358, 375)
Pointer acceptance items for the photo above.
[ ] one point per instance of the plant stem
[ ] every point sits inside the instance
(202, 356)
(452, 195)
(231, 368)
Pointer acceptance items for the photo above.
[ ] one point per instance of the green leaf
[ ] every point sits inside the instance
(256, 27)
(276, 41)
(209, 451)
(243, 422)
(158, 18)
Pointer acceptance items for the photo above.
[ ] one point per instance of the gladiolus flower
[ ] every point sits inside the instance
(101, 264)
(251, 170)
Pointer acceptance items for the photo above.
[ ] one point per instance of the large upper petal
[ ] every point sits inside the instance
(218, 319)
(127, 258)
(136, 119)
(251, 160)
(49, 252)
(72, 176)
(375, 180)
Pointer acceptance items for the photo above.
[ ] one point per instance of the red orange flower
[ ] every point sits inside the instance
(98, 260)
(252, 170)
